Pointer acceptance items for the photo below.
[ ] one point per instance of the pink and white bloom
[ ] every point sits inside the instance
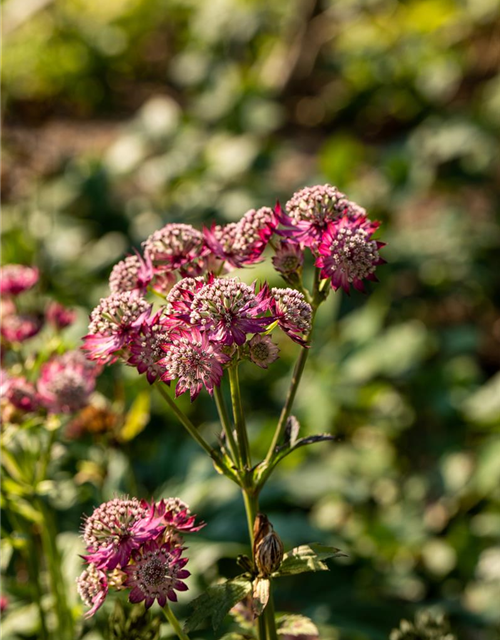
(92, 587)
(175, 247)
(156, 573)
(292, 312)
(118, 527)
(113, 323)
(242, 243)
(21, 393)
(146, 347)
(20, 327)
(194, 361)
(177, 518)
(348, 254)
(59, 316)
(65, 386)
(16, 278)
(229, 309)
(131, 274)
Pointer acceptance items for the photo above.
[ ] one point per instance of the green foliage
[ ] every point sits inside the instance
(307, 557)
(133, 623)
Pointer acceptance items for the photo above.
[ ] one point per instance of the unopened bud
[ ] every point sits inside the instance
(267, 546)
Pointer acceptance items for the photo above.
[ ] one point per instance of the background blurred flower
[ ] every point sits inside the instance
(16, 278)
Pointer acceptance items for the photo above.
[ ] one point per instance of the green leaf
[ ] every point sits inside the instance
(137, 417)
(308, 557)
(260, 595)
(217, 601)
(296, 625)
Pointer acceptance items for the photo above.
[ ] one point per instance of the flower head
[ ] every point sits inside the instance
(175, 246)
(65, 386)
(228, 309)
(156, 574)
(116, 528)
(20, 393)
(131, 274)
(194, 361)
(242, 243)
(348, 255)
(177, 518)
(262, 351)
(311, 209)
(113, 323)
(92, 586)
(288, 259)
(59, 316)
(146, 348)
(21, 327)
(292, 312)
(16, 278)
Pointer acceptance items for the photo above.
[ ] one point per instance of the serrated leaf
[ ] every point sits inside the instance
(137, 417)
(216, 602)
(260, 595)
(307, 557)
(291, 431)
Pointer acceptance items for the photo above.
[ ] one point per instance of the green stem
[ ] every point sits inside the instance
(171, 617)
(193, 432)
(269, 616)
(239, 418)
(226, 424)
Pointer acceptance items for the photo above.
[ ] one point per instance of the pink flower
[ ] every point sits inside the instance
(113, 323)
(92, 586)
(194, 361)
(21, 327)
(59, 316)
(16, 278)
(262, 351)
(4, 603)
(177, 518)
(20, 393)
(228, 309)
(292, 312)
(65, 386)
(175, 247)
(288, 259)
(348, 255)
(242, 243)
(131, 274)
(180, 299)
(311, 209)
(116, 528)
(157, 573)
(146, 348)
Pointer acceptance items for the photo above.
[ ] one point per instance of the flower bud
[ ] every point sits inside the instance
(267, 546)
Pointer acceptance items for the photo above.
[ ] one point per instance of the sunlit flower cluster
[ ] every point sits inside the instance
(208, 320)
(135, 545)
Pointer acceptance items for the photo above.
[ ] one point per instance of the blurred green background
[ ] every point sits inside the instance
(122, 115)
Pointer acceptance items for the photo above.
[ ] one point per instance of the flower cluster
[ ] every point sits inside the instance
(136, 545)
(338, 233)
(210, 320)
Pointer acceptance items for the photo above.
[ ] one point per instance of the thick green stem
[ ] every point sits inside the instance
(193, 432)
(239, 418)
(226, 424)
(176, 625)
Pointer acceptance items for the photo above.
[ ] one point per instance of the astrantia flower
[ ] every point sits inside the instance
(348, 255)
(156, 574)
(59, 316)
(177, 518)
(92, 586)
(242, 243)
(146, 350)
(116, 528)
(292, 312)
(21, 327)
(113, 323)
(262, 351)
(175, 246)
(16, 278)
(229, 309)
(20, 393)
(64, 387)
(194, 361)
(311, 209)
(131, 274)
(288, 258)
(180, 300)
